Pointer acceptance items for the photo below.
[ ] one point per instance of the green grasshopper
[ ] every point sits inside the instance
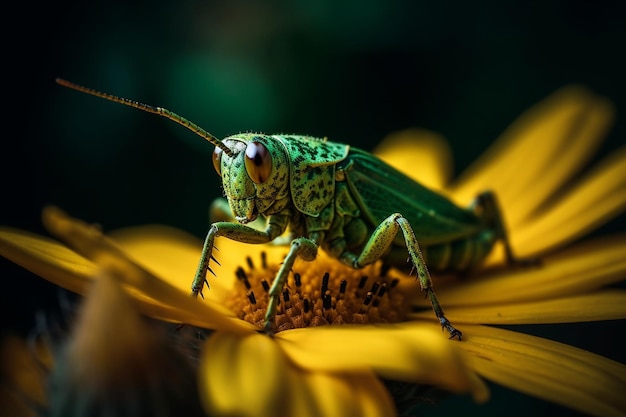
(342, 199)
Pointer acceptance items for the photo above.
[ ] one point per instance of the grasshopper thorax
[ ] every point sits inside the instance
(255, 177)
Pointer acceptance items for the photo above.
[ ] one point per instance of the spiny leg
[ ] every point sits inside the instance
(234, 231)
(300, 247)
(203, 266)
(376, 247)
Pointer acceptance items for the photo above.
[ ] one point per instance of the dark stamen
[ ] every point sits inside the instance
(327, 301)
(393, 283)
(264, 260)
(366, 302)
(241, 276)
(384, 268)
(251, 297)
(375, 287)
(368, 298)
(306, 305)
(382, 290)
(266, 285)
(250, 263)
(362, 282)
(240, 273)
(298, 279)
(325, 282)
(342, 286)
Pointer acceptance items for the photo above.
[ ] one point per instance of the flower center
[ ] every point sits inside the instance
(319, 293)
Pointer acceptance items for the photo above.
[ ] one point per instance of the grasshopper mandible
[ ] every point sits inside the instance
(342, 199)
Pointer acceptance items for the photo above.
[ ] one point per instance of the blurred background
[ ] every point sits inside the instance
(353, 71)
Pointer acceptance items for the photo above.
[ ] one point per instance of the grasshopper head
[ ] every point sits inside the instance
(255, 177)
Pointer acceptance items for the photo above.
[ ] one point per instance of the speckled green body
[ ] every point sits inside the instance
(345, 193)
(353, 206)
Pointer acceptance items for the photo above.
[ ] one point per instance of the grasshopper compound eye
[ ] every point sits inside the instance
(258, 162)
(217, 160)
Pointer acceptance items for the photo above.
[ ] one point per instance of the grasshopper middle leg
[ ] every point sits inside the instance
(300, 247)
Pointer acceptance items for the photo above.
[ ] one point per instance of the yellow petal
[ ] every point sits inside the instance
(576, 270)
(539, 152)
(171, 254)
(60, 265)
(242, 376)
(404, 352)
(302, 398)
(549, 370)
(90, 357)
(157, 298)
(602, 305)
(421, 154)
(592, 202)
(47, 258)
(314, 394)
(371, 395)
(113, 362)
(141, 241)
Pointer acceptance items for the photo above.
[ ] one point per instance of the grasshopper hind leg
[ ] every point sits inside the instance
(376, 248)
(486, 206)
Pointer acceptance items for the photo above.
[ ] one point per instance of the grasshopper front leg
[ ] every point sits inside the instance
(234, 231)
(376, 247)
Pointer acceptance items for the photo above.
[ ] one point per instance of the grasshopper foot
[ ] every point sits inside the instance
(268, 329)
(445, 324)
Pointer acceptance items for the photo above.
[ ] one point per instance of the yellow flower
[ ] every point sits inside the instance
(337, 369)
(275, 375)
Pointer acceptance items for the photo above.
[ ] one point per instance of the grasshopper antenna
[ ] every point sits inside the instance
(150, 109)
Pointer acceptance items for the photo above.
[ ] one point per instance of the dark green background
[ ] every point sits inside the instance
(350, 70)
